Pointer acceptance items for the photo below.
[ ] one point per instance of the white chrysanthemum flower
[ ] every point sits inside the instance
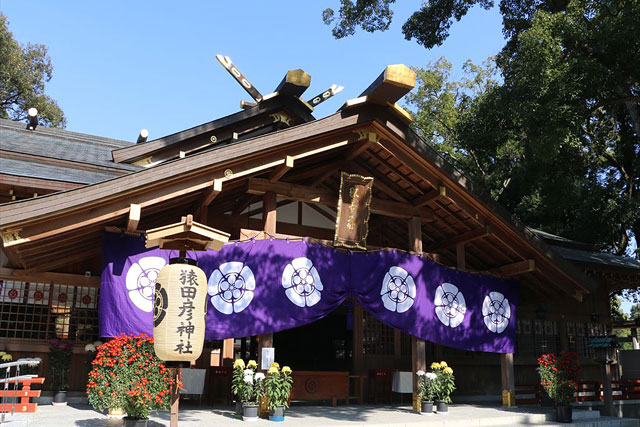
(420, 373)
(97, 344)
(248, 372)
(302, 282)
(89, 348)
(496, 312)
(398, 290)
(431, 376)
(141, 281)
(259, 376)
(248, 379)
(231, 287)
(450, 305)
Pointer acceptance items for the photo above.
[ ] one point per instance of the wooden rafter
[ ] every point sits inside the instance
(308, 194)
(462, 238)
(514, 269)
(431, 196)
(279, 172)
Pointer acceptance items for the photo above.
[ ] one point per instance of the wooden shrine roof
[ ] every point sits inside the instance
(301, 163)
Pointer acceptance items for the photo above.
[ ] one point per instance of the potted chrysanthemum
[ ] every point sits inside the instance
(278, 389)
(60, 352)
(237, 383)
(127, 374)
(444, 385)
(251, 391)
(559, 378)
(426, 391)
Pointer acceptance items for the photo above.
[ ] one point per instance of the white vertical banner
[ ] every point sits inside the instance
(62, 295)
(87, 297)
(268, 357)
(11, 291)
(38, 293)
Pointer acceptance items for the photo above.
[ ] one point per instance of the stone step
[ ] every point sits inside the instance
(595, 422)
(583, 414)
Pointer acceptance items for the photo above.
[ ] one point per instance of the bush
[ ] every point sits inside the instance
(127, 374)
(559, 376)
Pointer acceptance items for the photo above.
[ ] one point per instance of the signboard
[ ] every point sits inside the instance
(268, 357)
(352, 222)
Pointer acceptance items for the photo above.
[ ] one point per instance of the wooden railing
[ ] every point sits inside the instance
(625, 389)
(25, 393)
(588, 391)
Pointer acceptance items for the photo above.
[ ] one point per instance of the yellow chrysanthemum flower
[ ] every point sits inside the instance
(443, 364)
(7, 357)
(2, 353)
(252, 364)
(239, 363)
(286, 369)
(276, 364)
(435, 365)
(272, 370)
(448, 370)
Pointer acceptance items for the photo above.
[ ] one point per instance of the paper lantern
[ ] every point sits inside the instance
(179, 311)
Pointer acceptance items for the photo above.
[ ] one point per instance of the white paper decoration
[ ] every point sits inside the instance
(231, 287)
(87, 297)
(62, 296)
(450, 305)
(141, 281)
(11, 291)
(398, 290)
(496, 312)
(38, 293)
(302, 282)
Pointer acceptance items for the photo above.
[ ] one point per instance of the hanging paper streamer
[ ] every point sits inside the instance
(265, 286)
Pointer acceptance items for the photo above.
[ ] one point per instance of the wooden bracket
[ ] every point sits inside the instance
(134, 217)
(365, 134)
(431, 196)
(282, 169)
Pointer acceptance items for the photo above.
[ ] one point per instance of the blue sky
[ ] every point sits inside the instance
(122, 66)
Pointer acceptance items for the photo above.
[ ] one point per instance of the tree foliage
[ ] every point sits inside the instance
(24, 71)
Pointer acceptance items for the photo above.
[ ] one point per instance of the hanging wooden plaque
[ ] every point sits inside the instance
(352, 223)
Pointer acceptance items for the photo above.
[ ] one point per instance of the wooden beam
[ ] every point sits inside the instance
(62, 261)
(391, 85)
(508, 380)
(321, 212)
(47, 277)
(279, 172)
(269, 210)
(294, 83)
(461, 259)
(431, 196)
(134, 217)
(509, 270)
(418, 346)
(462, 238)
(303, 193)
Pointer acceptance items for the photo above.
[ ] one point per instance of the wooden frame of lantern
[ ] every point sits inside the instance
(179, 307)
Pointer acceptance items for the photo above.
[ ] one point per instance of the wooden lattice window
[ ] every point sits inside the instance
(47, 310)
(377, 338)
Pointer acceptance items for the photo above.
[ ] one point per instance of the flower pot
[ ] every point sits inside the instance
(238, 408)
(115, 413)
(442, 407)
(277, 414)
(59, 398)
(134, 422)
(563, 413)
(249, 412)
(426, 407)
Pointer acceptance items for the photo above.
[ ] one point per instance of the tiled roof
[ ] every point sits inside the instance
(598, 258)
(32, 169)
(61, 144)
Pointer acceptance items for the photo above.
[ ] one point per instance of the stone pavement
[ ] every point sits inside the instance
(317, 416)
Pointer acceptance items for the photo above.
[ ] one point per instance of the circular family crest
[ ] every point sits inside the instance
(141, 281)
(231, 287)
(450, 305)
(496, 312)
(160, 304)
(398, 290)
(301, 282)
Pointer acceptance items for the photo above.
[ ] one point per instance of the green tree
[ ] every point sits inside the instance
(24, 71)
(635, 311)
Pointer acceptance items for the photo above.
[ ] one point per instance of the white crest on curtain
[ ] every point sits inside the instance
(450, 305)
(231, 287)
(496, 312)
(141, 281)
(302, 282)
(398, 290)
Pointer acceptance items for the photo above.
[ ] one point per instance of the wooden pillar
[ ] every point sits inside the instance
(227, 356)
(508, 380)
(634, 338)
(607, 393)
(461, 257)
(418, 354)
(269, 207)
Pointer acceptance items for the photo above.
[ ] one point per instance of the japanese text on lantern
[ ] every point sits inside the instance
(188, 291)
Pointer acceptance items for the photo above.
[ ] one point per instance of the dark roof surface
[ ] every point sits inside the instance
(34, 169)
(598, 258)
(61, 144)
